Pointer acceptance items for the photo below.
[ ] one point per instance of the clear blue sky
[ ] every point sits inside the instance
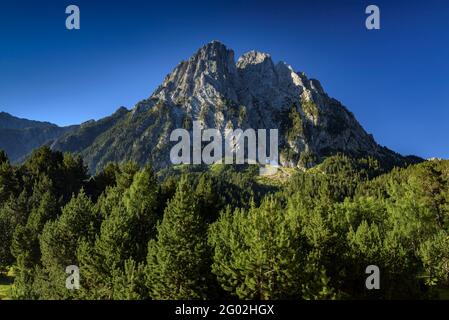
(395, 80)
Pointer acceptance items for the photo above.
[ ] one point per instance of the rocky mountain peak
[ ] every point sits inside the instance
(214, 49)
(254, 57)
(206, 77)
(214, 56)
(211, 87)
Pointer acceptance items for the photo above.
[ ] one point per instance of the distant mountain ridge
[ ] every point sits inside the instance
(18, 137)
(219, 92)
(8, 121)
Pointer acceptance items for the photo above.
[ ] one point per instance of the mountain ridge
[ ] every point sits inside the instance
(220, 92)
(18, 136)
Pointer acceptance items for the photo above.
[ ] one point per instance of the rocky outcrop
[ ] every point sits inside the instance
(213, 88)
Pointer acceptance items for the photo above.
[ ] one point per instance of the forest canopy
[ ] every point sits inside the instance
(204, 232)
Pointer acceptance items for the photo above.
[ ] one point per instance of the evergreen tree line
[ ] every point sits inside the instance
(224, 232)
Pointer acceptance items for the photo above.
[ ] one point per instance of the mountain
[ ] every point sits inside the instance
(18, 137)
(213, 88)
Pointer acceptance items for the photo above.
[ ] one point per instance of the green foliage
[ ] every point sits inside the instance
(60, 238)
(256, 253)
(6, 234)
(121, 245)
(307, 159)
(199, 232)
(178, 259)
(434, 254)
(59, 242)
(8, 181)
(311, 109)
(129, 284)
(296, 125)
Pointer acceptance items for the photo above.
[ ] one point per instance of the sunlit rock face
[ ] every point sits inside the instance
(214, 88)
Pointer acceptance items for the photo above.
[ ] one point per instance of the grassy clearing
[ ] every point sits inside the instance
(6, 281)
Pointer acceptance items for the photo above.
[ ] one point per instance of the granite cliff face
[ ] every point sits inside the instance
(213, 88)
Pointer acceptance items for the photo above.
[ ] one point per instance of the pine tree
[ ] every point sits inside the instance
(179, 259)
(123, 236)
(141, 203)
(209, 202)
(6, 234)
(129, 284)
(60, 239)
(23, 249)
(256, 253)
(8, 181)
(126, 173)
(8, 191)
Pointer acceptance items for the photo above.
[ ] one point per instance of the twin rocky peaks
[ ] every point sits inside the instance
(213, 88)
(211, 78)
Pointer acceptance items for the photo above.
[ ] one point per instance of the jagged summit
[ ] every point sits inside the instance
(211, 78)
(253, 57)
(213, 88)
(207, 74)
(214, 50)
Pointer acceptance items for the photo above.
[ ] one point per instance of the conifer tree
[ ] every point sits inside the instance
(8, 181)
(179, 258)
(122, 243)
(60, 240)
(256, 253)
(6, 234)
(129, 283)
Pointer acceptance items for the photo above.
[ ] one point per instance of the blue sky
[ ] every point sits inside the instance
(395, 80)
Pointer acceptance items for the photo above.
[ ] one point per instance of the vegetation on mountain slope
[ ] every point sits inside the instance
(219, 92)
(192, 232)
(18, 137)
